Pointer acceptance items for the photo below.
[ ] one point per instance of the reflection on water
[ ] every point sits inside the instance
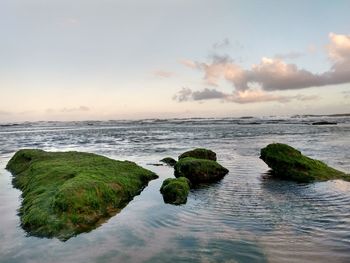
(246, 217)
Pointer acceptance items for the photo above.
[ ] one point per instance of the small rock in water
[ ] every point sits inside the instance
(199, 166)
(324, 123)
(199, 153)
(175, 190)
(169, 161)
(199, 170)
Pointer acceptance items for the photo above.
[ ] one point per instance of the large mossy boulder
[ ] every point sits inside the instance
(175, 190)
(199, 170)
(66, 193)
(169, 161)
(199, 153)
(288, 163)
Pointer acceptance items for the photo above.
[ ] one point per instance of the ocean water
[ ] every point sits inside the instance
(246, 217)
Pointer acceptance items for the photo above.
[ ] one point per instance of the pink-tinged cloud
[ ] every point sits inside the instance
(253, 96)
(188, 63)
(274, 74)
(339, 48)
(163, 74)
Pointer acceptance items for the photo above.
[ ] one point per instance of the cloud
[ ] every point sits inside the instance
(223, 44)
(163, 74)
(208, 94)
(312, 48)
(79, 109)
(253, 96)
(306, 97)
(188, 63)
(186, 94)
(275, 74)
(68, 110)
(5, 113)
(339, 48)
(271, 74)
(241, 97)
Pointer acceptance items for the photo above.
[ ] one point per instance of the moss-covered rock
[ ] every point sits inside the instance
(66, 193)
(288, 163)
(175, 190)
(169, 161)
(199, 153)
(199, 170)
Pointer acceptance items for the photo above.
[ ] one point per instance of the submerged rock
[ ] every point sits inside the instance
(324, 123)
(288, 163)
(199, 170)
(169, 161)
(175, 190)
(66, 193)
(199, 153)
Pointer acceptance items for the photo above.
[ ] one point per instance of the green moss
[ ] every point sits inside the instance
(199, 170)
(169, 161)
(175, 190)
(199, 153)
(66, 193)
(288, 163)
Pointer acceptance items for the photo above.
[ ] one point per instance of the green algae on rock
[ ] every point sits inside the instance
(169, 161)
(175, 190)
(66, 193)
(288, 163)
(199, 170)
(199, 153)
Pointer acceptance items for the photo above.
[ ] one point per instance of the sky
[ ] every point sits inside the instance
(104, 59)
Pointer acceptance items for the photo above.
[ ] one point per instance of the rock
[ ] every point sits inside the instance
(199, 153)
(199, 170)
(169, 161)
(288, 163)
(324, 123)
(175, 190)
(155, 164)
(66, 193)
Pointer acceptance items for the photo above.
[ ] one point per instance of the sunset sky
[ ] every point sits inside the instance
(99, 59)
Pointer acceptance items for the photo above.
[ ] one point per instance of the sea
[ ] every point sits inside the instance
(248, 216)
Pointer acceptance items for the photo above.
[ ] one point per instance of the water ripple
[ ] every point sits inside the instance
(246, 217)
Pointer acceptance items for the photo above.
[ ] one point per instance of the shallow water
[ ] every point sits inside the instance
(246, 217)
